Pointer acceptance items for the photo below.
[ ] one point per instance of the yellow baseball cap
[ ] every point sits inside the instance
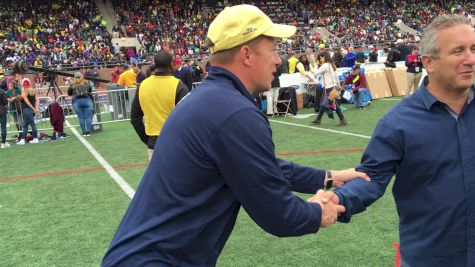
(242, 23)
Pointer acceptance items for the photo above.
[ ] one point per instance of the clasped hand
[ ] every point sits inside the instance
(328, 202)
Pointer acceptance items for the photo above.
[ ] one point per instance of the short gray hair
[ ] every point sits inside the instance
(429, 45)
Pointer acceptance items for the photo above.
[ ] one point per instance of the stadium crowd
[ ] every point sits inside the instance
(75, 32)
(61, 31)
(178, 26)
(69, 32)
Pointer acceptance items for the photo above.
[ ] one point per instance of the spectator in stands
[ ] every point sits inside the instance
(359, 86)
(213, 142)
(116, 48)
(330, 80)
(81, 90)
(3, 118)
(426, 142)
(360, 56)
(53, 32)
(183, 73)
(29, 108)
(115, 31)
(414, 70)
(373, 55)
(155, 99)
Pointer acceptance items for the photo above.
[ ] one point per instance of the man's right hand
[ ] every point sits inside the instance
(328, 202)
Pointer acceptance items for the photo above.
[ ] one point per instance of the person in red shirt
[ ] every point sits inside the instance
(357, 80)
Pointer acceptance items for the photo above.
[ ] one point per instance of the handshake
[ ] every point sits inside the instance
(329, 201)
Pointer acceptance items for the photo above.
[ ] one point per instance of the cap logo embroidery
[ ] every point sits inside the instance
(248, 31)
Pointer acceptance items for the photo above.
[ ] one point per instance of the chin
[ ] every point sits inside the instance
(464, 85)
(264, 88)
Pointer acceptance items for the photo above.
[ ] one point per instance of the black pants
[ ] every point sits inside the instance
(337, 109)
(3, 124)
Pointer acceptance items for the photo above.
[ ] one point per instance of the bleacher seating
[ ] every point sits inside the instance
(71, 32)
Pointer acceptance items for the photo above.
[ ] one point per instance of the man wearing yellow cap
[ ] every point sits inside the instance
(216, 154)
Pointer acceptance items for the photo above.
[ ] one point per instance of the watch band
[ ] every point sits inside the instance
(329, 180)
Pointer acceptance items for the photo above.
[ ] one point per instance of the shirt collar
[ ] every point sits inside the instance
(471, 94)
(219, 73)
(429, 100)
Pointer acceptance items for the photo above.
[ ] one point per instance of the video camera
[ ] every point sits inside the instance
(23, 67)
(49, 75)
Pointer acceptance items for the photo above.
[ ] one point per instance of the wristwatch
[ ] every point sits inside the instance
(329, 180)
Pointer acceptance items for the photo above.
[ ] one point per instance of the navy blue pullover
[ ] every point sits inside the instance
(431, 151)
(214, 154)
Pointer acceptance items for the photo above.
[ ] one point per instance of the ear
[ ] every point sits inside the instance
(246, 55)
(428, 63)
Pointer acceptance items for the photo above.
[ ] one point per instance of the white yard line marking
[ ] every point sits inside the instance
(302, 116)
(116, 176)
(322, 129)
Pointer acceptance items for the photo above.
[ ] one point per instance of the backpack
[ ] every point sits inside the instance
(82, 90)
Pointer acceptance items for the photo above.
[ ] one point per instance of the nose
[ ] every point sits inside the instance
(278, 60)
(469, 58)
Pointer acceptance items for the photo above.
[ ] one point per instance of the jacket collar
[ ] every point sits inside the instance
(220, 73)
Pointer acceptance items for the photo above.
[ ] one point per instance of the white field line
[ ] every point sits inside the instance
(322, 129)
(116, 176)
(302, 116)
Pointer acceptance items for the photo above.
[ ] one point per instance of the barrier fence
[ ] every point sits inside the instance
(110, 105)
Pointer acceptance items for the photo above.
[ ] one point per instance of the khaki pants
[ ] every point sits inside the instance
(413, 80)
(150, 153)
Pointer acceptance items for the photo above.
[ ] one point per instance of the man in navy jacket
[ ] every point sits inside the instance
(427, 141)
(216, 154)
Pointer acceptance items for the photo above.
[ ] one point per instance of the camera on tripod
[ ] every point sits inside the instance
(49, 74)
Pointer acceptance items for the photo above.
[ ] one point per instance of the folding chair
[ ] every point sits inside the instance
(276, 101)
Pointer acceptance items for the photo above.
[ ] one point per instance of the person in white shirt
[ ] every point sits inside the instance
(328, 71)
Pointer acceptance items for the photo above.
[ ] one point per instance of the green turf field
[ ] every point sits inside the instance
(59, 207)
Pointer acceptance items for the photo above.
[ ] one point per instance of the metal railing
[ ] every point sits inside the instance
(111, 105)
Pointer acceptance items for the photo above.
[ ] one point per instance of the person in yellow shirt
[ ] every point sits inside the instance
(292, 62)
(155, 99)
(38, 62)
(129, 77)
(296, 65)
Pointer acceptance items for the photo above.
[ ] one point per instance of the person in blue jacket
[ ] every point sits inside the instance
(216, 154)
(349, 60)
(427, 141)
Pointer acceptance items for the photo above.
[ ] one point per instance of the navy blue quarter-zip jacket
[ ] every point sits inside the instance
(215, 154)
